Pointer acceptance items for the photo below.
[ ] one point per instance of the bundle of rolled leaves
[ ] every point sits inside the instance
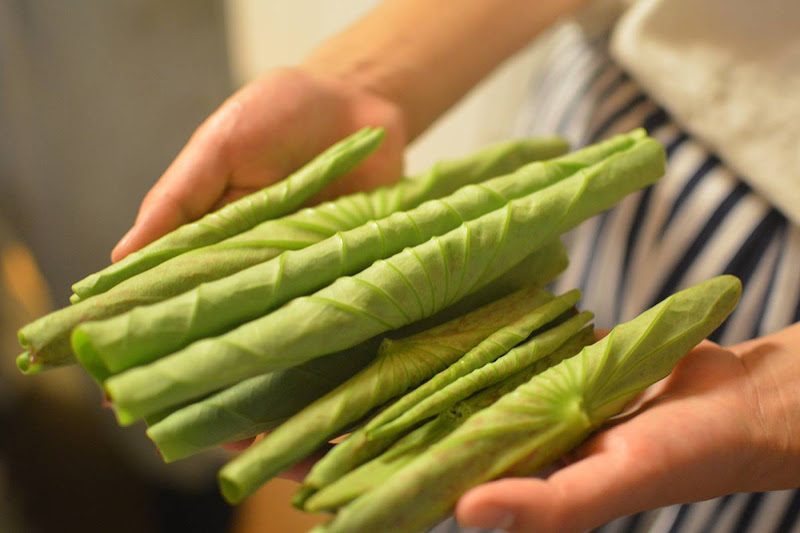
(412, 317)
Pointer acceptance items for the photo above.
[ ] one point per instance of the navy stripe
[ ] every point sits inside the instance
(615, 84)
(651, 123)
(633, 523)
(749, 512)
(709, 164)
(751, 252)
(772, 229)
(790, 515)
(630, 245)
(671, 147)
(797, 311)
(711, 226)
(679, 519)
(617, 115)
(655, 120)
(718, 510)
(780, 235)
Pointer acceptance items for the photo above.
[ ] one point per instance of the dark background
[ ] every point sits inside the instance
(96, 98)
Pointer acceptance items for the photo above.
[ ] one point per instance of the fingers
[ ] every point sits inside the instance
(577, 498)
(192, 184)
(298, 471)
(633, 467)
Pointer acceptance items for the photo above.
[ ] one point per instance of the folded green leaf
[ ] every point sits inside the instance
(28, 367)
(47, 339)
(146, 333)
(487, 351)
(359, 447)
(274, 201)
(403, 289)
(379, 470)
(255, 405)
(518, 358)
(400, 365)
(545, 417)
(261, 403)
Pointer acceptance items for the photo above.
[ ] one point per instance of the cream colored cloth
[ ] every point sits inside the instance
(729, 72)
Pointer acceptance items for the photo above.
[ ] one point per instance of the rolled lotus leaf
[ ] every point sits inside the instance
(524, 355)
(263, 402)
(546, 417)
(47, 339)
(409, 286)
(146, 333)
(241, 215)
(359, 447)
(379, 470)
(400, 366)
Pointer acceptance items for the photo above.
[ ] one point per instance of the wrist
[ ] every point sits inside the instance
(362, 73)
(424, 56)
(773, 403)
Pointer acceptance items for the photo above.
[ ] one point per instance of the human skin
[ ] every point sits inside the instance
(400, 67)
(726, 420)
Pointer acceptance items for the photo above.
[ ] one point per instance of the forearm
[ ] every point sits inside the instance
(424, 55)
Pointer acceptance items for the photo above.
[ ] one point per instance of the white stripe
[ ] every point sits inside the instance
(730, 515)
(582, 239)
(612, 104)
(783, 300)
(659, 263)
(747, 312)
(665, 519)
(571, 82)
(575, 130)
(658, 260)
(564, 41)
(771, 510)
(666, 134)
(632, 119)
(651, 258)
(603, 281)
(719, 251)
(607, 275)
(617, 526)
(646, 520)
(579, 243)
(698, 515)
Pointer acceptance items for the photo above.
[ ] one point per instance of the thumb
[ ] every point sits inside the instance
(619, 476)
(577, 498)
(189, 187)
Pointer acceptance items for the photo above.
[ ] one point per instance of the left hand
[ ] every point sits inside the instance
(726, 420)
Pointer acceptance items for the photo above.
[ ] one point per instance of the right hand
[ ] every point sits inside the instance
(723, 422)
(262, 133)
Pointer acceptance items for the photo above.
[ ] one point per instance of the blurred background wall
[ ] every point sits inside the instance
(96, 98)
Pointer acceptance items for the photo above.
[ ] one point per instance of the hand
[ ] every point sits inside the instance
(262, 133)
(725, 421)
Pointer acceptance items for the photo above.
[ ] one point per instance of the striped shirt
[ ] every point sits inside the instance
(698, 221)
